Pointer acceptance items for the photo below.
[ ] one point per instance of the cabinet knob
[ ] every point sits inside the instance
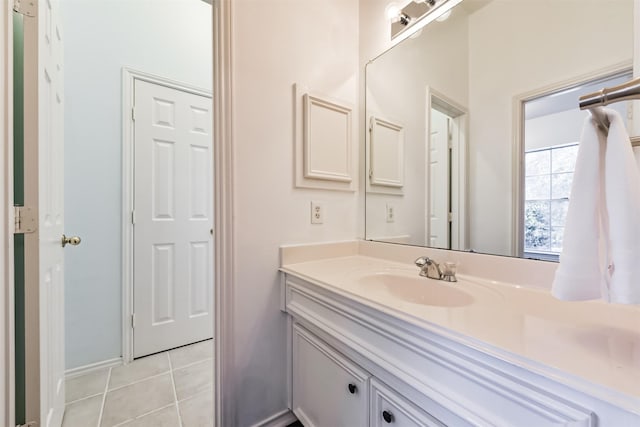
(353, 389)
(387, 416)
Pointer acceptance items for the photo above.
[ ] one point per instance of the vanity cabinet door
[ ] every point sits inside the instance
(328, 389)
(389, 409)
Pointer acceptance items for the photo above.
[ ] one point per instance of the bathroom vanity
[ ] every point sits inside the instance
(374, 344)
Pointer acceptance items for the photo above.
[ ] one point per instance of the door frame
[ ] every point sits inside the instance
(7, 338)
(129, 76)
(458, 192)
(225, 380)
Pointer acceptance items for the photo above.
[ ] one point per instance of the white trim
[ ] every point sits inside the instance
(225, 401)
(517, 202)
(129, 76)
(7, 368)
(280, 419)
(92, 367)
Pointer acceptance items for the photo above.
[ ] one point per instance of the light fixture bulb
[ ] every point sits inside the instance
(392, 12)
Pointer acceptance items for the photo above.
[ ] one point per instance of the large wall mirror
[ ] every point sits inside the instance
(473, 122)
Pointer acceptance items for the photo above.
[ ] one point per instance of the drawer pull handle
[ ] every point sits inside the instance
(353, 389)
(387, 416)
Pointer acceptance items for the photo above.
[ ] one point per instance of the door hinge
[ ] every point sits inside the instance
(450, 216)
(24, 220)
(133, 217)
(133, 320)
(133, 114)
(25, 7)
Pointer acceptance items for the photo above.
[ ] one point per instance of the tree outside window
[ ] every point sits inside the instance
(548, 178)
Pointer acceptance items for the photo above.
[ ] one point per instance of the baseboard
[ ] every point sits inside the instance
(81, 370)
(281, 419)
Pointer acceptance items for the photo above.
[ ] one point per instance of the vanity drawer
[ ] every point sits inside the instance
(388, 408)
(328, 389)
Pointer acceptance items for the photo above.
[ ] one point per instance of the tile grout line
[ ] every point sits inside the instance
(175, 393)
(71, 402)
(192, 363)
(104, 398)
(124, 423)
(140, 380)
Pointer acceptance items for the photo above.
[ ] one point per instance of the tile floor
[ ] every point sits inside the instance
(170, 389)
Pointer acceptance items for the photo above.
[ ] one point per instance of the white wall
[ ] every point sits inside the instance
(170, 38)
(511, 46)
(276, 44)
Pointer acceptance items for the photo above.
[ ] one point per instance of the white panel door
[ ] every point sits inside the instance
(439, 181)
(44, 183)
(173, 204)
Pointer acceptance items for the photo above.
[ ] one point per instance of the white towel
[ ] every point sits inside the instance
(579, 275)
(601, 246)
(622, 194)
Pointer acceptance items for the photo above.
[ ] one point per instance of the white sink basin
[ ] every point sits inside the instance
(418, 290)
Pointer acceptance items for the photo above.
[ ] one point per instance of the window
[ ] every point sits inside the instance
(548, 177)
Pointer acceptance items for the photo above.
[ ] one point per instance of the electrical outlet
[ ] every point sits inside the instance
(391, 213)
(317, 213)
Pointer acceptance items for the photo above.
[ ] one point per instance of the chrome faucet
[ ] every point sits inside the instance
(431, 269)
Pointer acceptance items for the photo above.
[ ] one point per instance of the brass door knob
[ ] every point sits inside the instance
(73, 240)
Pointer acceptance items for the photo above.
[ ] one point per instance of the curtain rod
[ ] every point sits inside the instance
(596, 100)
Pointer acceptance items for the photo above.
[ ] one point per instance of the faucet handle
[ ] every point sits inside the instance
(422, 261)
(449, 271)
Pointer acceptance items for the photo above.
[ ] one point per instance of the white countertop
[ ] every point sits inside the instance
(593, 341)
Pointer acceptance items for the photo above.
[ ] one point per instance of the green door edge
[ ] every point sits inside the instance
(18, 200)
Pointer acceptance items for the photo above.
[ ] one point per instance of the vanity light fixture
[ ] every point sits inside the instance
(395, 14)
(416, 14)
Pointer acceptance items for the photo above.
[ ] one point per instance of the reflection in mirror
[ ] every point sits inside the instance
(552, 127)
(487, 104)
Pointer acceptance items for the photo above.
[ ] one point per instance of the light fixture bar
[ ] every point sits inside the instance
(417, 14)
